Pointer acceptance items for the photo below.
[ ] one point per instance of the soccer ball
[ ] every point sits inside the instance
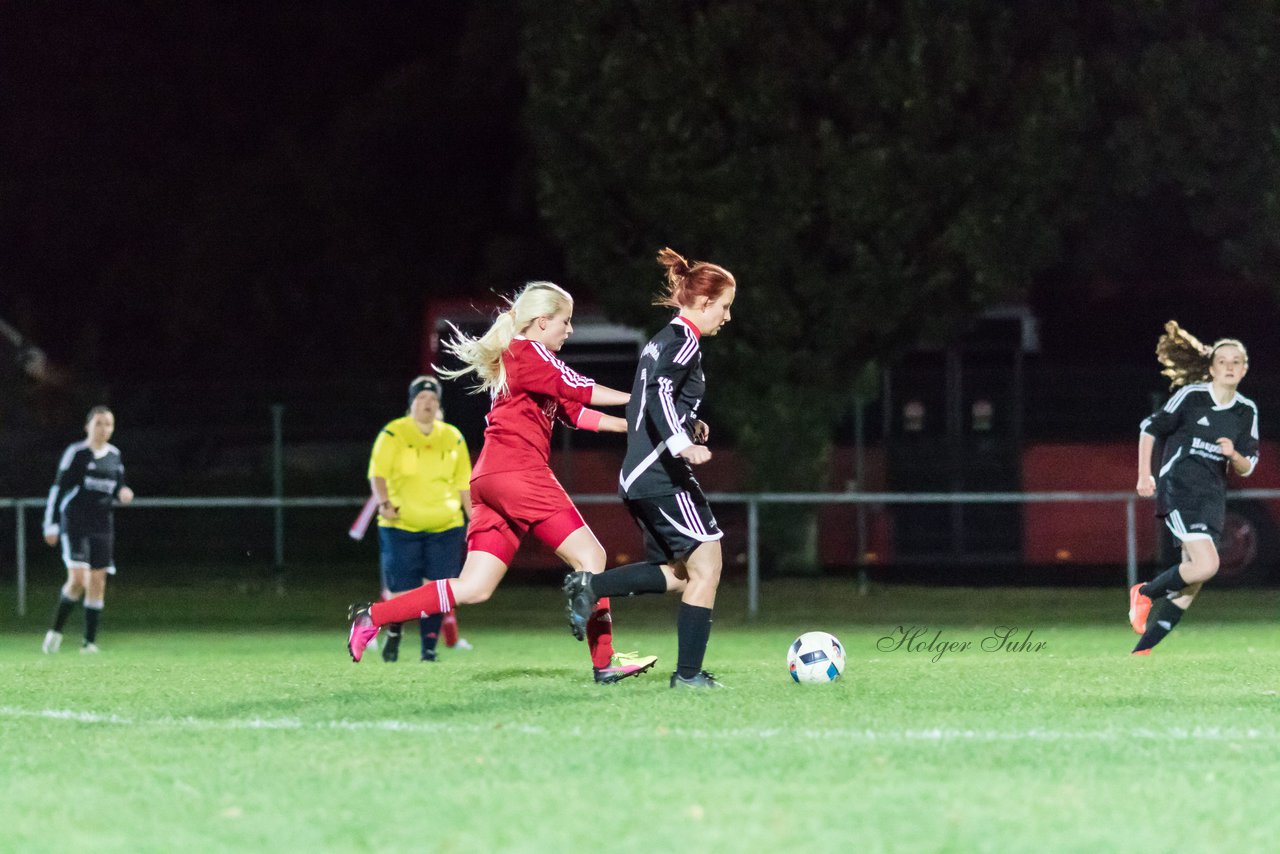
(816, 657)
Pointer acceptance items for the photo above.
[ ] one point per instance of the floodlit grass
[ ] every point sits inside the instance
(217, 719)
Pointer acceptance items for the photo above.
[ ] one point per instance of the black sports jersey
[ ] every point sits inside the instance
(665, 397)
(86, 485)
(1191, 424)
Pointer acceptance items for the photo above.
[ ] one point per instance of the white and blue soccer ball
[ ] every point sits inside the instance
(816, 657)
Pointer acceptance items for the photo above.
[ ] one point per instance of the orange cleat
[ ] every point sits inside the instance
(1139, 607)
(1141, 652)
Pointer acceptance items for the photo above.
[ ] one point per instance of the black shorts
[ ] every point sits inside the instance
(674, 525)
(1196, 521)
(96, 551)
(1192, 503)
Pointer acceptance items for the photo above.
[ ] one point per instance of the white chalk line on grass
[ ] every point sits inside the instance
(926, 735)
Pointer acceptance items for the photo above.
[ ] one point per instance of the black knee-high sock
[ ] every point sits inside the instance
(91, 616)
(1163, 617)
(693, 627)
(629, 580)
(1169, 581)
(429, 629)
(61, 612)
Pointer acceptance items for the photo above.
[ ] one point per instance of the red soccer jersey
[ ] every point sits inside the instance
(540, 388)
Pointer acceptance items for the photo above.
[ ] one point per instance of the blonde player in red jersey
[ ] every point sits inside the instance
(513, 490)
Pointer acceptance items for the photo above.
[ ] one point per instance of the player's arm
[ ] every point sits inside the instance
(661, 405)
(70, 470)
(1159, 425)
(1146, 483)
(1242, 454)
(579, 417)
(602, 395)
(123, 493)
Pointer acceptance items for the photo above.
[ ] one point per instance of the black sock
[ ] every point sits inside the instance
(61, 613)
(629, 580)
(693, 628)
(1163, 617)
(393, 631)
(1169, 581)
(429, 629)
(91, 616)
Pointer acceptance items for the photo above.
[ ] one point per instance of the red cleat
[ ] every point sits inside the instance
(1141, 652)
(362, 630)
(1139, 607)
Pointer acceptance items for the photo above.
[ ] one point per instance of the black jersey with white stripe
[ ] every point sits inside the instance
(87, 483)
(1191, 422)
(665, 397)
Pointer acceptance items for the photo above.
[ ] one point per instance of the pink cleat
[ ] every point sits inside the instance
(1141, 652)
(363, 631)
(624, 665)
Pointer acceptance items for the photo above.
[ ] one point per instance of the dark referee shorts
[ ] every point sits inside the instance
(674, 525)
(95, 551)
(409, 558)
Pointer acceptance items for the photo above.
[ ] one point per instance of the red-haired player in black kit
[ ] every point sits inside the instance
(664, 440)
(513, 490)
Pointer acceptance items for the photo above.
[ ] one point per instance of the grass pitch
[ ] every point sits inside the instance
(223, 720)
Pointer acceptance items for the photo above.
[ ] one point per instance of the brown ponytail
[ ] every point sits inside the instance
(1185, 359)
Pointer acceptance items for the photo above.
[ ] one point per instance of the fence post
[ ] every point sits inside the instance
(1131, 541)
(277, 484)
(20, 536)
(753, 558)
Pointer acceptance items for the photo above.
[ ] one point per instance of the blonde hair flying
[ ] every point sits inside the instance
(483, 356)
(1185, 359)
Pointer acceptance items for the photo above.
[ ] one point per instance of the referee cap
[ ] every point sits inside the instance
(424, 383)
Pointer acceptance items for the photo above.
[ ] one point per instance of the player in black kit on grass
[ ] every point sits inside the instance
(79, 516)
(664, 440)
(1207, 427)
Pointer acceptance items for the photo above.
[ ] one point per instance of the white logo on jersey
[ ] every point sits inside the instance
(650, 349)
(1204, 421)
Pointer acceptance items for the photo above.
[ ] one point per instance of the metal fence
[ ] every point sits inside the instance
(753, 503)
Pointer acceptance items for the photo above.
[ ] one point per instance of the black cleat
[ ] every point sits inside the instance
(702, 680)
(391, 649)
(581, 602)
(429, 655)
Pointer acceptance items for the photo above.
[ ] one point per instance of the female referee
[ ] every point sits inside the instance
(682, 540)
(1207, 426)
(513, 490)
(90, 477)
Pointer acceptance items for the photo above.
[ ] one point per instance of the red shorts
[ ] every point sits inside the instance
(507, 505)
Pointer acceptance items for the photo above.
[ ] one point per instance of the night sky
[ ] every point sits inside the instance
(269, 194)
(195, 190)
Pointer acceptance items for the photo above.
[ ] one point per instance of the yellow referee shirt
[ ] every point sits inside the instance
(424, 474)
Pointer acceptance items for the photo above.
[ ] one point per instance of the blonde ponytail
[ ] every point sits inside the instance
(483, 356)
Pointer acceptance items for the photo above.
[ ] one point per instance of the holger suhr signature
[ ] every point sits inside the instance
(922, 639)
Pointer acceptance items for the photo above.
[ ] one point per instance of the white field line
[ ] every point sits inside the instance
(926, 735)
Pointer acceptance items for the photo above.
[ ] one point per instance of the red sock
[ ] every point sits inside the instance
(450, 628)
(434, 597)
(600, 634)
